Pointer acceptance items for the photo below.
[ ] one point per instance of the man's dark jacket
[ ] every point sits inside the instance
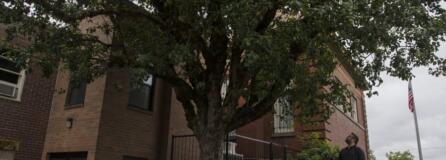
(351, 153)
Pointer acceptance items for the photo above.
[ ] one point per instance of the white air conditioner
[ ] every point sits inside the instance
(8, 90)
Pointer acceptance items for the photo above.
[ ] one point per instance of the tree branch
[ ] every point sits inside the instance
(252, 111)
(132, 10)
(246, 114)
(268, 17)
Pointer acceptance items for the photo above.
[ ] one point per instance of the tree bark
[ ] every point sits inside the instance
(211, 145)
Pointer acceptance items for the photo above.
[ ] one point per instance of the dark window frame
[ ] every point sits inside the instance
(126, 157)
(151, 97)
(10, 65)
(9, 77)
(68, 99)
(67, 155)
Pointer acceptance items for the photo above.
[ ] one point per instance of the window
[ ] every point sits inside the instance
(133, 158)
(350, 111)
(68, 156)
(76, 94)
(11, 79)
(283, 116)
(354, 110)
(141, 96)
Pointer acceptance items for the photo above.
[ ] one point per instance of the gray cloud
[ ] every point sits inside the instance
(391, 124)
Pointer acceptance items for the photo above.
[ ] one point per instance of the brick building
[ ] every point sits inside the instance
(24, 114)
(276, 127)
(98, 121)
(25, 102)
(108, 119)
(101, 120)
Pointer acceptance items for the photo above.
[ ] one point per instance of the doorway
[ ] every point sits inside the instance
(68, 156)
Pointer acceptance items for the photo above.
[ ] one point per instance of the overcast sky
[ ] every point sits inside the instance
(391, 124)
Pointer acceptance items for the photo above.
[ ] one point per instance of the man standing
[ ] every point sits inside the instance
(351, 152)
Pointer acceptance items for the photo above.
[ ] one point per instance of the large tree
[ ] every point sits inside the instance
(256, 50)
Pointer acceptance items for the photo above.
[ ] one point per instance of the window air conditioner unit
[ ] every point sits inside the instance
(8, 90)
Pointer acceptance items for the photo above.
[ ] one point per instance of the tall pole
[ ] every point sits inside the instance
(414, 110)
(420, 153)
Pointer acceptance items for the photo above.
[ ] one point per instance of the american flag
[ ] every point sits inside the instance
(411, 99)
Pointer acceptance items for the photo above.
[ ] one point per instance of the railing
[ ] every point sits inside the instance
(235, 147)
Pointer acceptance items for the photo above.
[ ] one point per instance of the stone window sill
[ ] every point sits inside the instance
(68, 107)
(283, 135)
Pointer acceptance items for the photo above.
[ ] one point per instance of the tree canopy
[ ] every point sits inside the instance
(263, 49)
(406, 155)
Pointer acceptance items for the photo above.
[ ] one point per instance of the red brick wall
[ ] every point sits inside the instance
(83, 134)
(340, 126)
(26, 121)
(129, 131)
(263, 129)
(336, 129)
(177, 125)
(104, 125)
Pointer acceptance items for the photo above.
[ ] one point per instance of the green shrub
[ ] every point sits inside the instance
(406, 155)
(317, 149)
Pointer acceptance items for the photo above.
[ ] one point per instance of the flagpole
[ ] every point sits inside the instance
(414, 110)
(420, 153)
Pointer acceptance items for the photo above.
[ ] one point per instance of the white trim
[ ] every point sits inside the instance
(19, 85)
(12, 72)
(354, 110)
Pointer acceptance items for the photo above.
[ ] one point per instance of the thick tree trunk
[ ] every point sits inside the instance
(210, 130)
(211, 144)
